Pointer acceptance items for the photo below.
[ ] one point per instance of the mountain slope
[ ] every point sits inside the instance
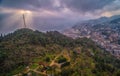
(25, 50)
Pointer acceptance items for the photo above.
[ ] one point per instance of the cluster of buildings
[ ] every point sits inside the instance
(106, 37)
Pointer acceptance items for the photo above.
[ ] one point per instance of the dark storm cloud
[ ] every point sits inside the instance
(74, 5)
(85, 5)
(27, 4)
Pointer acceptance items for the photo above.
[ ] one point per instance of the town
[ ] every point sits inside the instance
(106, 35)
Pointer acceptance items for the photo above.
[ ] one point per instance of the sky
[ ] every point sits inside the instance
(46, 15)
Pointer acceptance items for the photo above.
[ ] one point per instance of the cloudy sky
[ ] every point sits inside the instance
(52, 14)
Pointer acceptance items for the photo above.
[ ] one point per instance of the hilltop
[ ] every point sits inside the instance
(27, 52)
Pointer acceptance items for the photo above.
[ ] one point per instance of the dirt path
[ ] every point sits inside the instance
(53, 61)
(38, 72)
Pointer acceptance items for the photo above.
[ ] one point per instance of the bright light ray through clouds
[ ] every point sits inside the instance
(12, 20)
(16, 19)
(28, 18)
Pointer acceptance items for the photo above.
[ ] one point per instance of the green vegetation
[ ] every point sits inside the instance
(61, 59)
(52, 53)
(33, 66)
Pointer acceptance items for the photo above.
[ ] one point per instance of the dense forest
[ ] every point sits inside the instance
(32, 53)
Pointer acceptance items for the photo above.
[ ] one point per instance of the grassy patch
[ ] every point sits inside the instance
(36, 60)
(33, 66)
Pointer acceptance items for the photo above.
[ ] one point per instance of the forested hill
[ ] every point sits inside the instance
(26, 47)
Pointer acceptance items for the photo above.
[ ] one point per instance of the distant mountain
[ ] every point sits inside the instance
(105, 31)
(97, 21)
(27, 52)
(115, 17)
(117, 21)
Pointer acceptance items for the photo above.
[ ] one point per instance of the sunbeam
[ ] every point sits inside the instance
(28, 18)
(16, 19)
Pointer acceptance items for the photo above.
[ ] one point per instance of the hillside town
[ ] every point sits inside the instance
(107, 36)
